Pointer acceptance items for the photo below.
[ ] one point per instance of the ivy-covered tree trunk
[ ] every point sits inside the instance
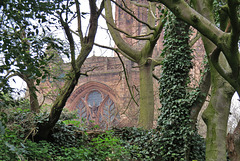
(174, 121)
(146, 115)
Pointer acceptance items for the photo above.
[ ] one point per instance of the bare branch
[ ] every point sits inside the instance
(157, 62)
(139, 4)
(80, 34)
(155, 77)
(233, 15)
(123, 1)
(126, 77)
(140, 21)
(90, 70)
(117, 29)
(116, 50)
(214, 60)
(183, 11)
(101, 8)
(44, 97)
(204, 87)
(121, 44)
(141, 37)
(71, 42)
(149, 46)
(150, 7)
(194, 40)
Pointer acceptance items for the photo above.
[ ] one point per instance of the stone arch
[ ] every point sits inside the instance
(97, 102)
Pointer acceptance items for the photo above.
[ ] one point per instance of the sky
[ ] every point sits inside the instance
(102, 37)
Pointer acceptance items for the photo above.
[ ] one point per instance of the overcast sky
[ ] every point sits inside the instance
(102, 38)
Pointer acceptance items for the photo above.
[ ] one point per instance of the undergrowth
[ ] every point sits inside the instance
(72, 140)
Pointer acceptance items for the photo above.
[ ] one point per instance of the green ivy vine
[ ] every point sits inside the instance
(178, 139)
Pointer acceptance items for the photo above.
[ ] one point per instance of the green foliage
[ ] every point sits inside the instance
(148, 144)
(107, 146)
(177, 139)
(104, 146)
(142, 144)
(68, 115)
(68, 141)
(23, 41)
(67, 136)
(14, 148)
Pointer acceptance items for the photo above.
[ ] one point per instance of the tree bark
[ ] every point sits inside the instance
(141, 57)
(197, 106)
(216, 118)
(146, 115)
(34, 104)
(216, 114)
(233, 144)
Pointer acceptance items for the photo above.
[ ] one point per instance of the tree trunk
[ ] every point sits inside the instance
(87, 42)
(233, 144)
(197, 106)
(216, 117)
(34, 104)
(216, 114)
(45, 128)
(146, 115)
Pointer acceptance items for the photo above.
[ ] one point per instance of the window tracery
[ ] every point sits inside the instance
(97, 108)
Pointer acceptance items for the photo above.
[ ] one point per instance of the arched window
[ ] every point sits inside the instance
(97, 108)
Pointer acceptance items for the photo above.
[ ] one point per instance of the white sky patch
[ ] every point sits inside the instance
(102, 37)
(19, 87)
(234, 116)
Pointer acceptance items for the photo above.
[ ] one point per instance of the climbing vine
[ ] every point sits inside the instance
(174, 121)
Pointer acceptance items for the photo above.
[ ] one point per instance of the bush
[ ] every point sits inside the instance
(107, 146)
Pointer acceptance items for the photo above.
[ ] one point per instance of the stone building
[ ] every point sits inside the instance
(103, 96)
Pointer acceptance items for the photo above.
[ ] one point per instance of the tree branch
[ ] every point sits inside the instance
(80, 34)
(71, 42)
(204, 87)
(140, 21)
(126, 77)
(233, 15)
(151, 11)
(149, 46)
(141, 37)
(183, 11)
(116, 50)
(127, 34)
(139, 4)
(101, 8)
(121, 44)
(194, 40)
(155, 77)
(214, 60)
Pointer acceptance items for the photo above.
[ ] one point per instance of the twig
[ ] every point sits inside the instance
(124, 70)
(140, 21)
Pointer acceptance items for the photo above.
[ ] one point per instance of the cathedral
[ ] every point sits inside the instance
(102, 97)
